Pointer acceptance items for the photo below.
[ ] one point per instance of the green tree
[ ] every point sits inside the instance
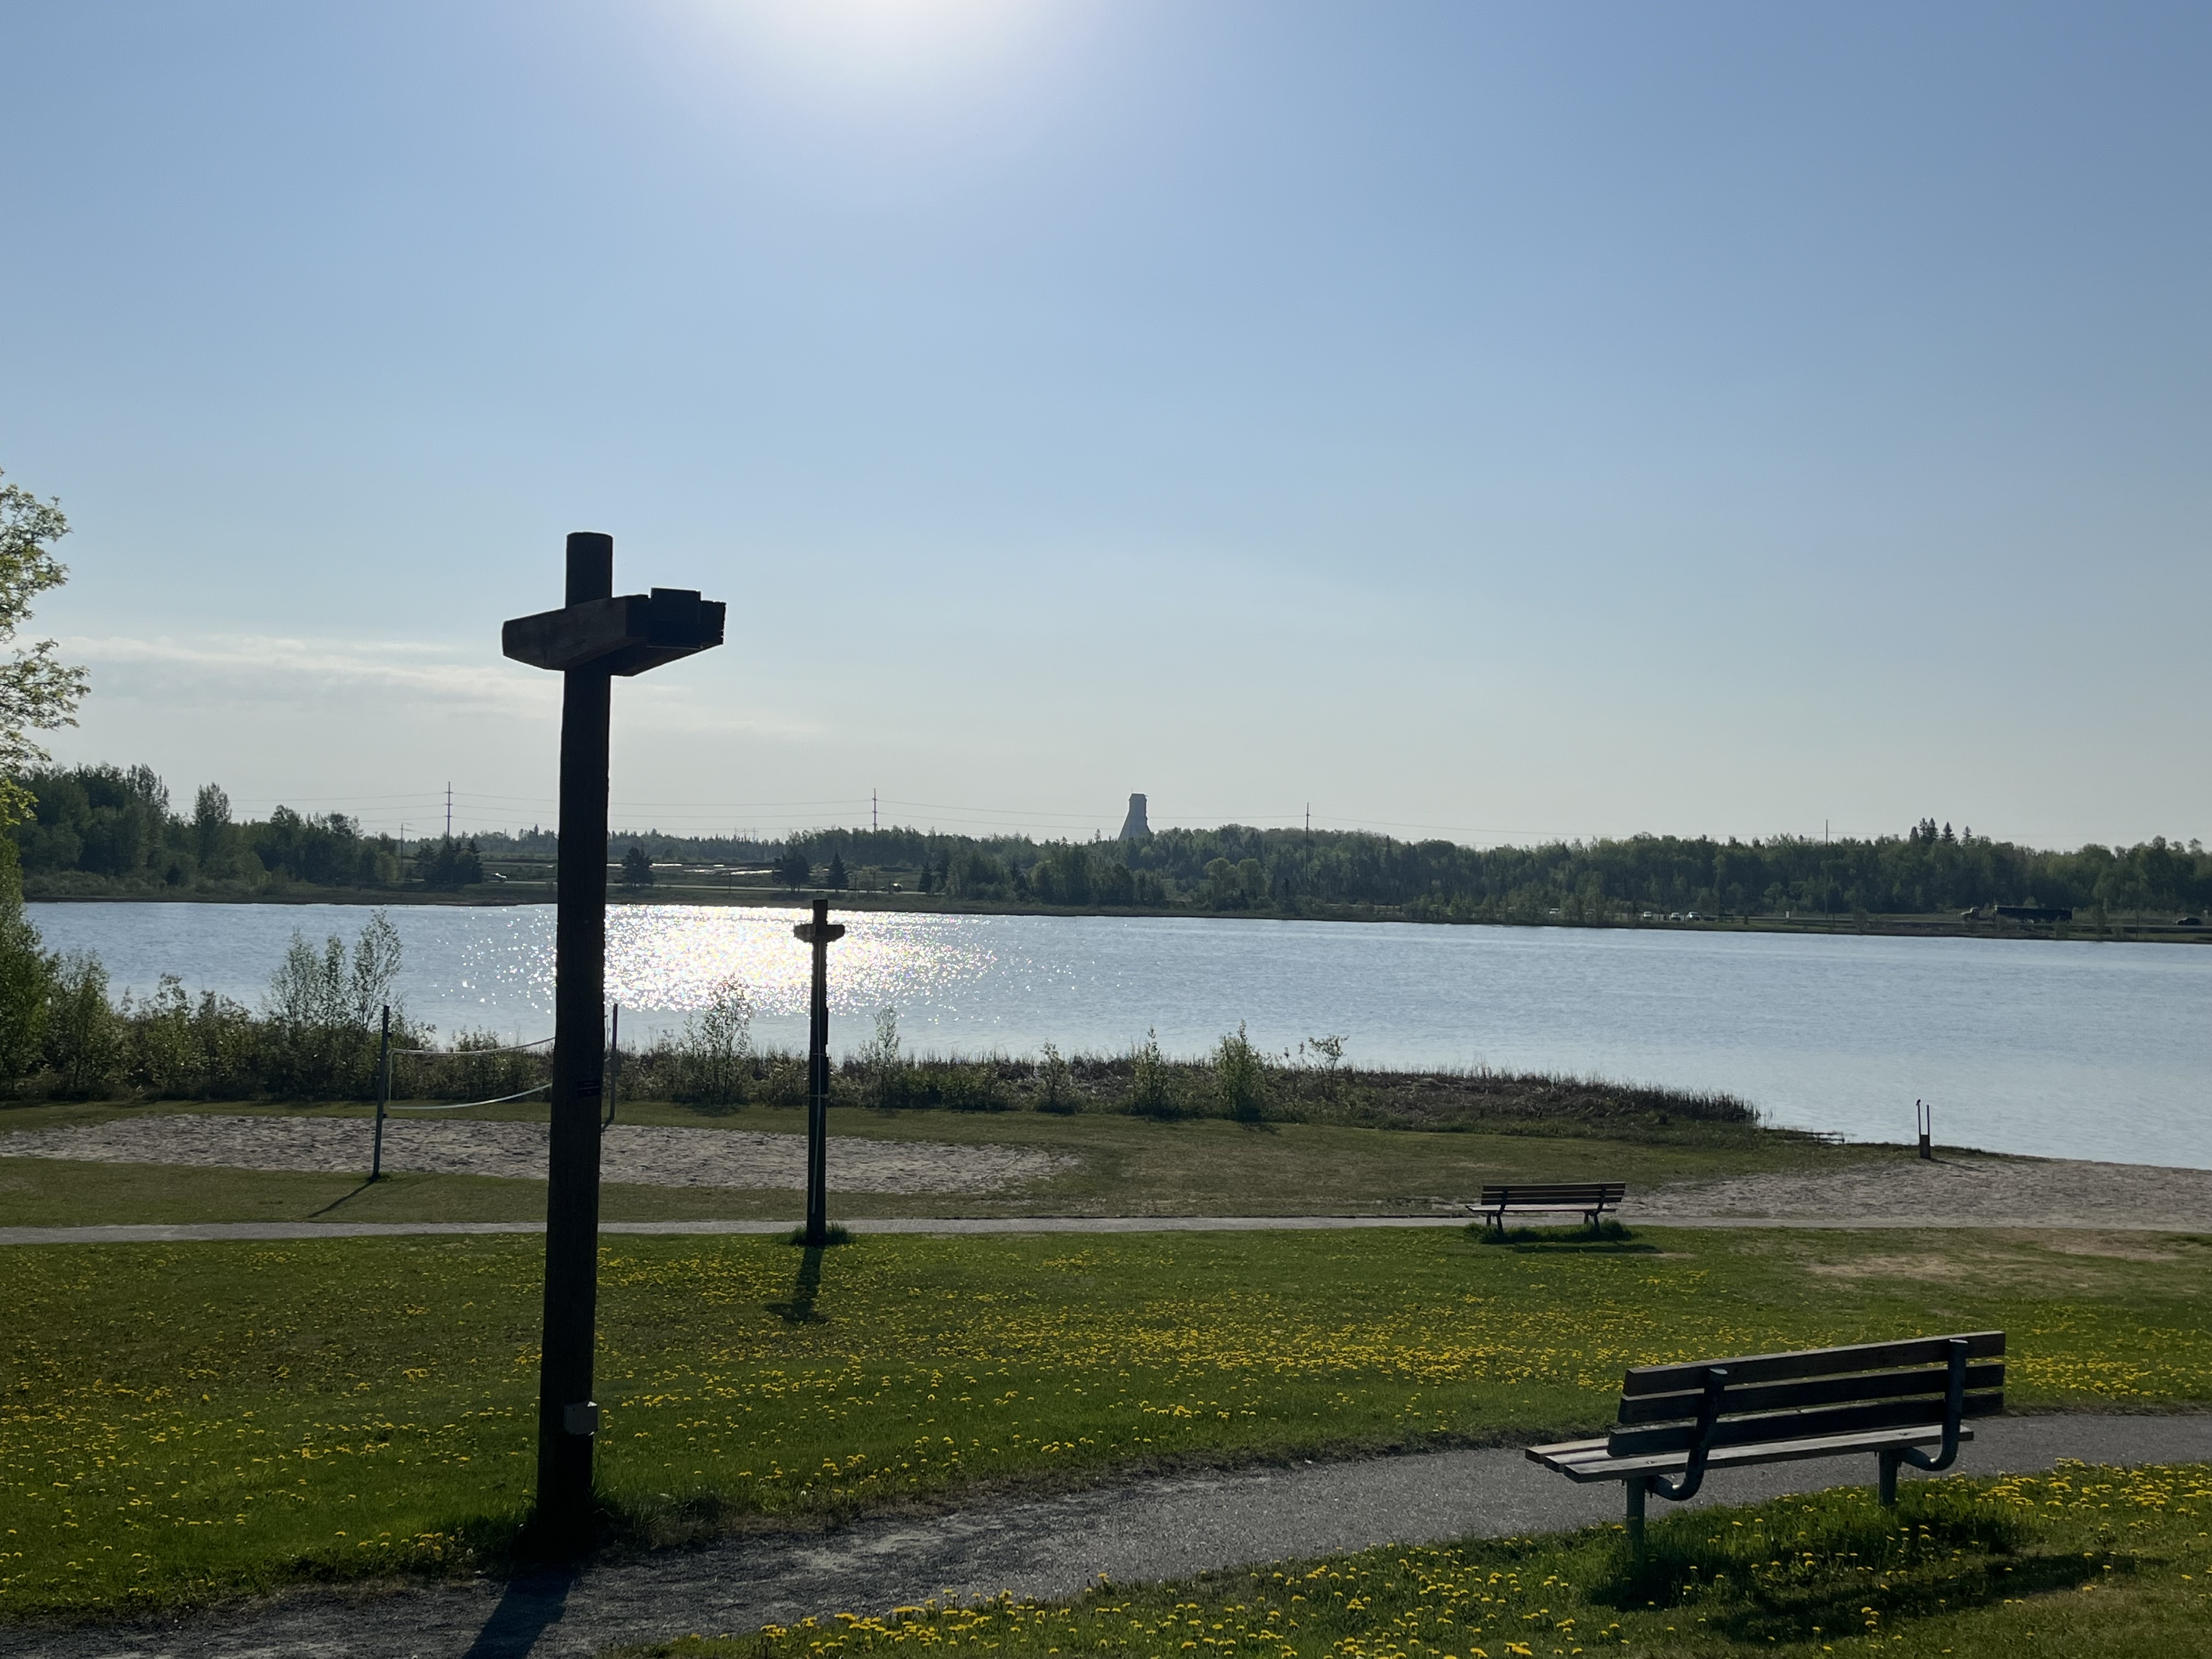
(1152, 1086)
(637, 868)
(714, 1056)
(445, 862)
(214, 838)
(1240, 1076)
(81, 1027)
(26, 977)
(837, 875)
(37, 692)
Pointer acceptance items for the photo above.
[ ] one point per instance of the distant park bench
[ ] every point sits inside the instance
(1592, 1197)
(1891, 1399)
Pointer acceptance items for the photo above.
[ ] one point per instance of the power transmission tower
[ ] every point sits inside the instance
(449, 811)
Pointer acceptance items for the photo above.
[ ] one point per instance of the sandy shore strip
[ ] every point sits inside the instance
(1955, 1189)
(642, 1155)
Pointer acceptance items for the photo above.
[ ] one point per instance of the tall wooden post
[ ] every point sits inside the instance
(593, 637)
(567, 1417)
(820, 933)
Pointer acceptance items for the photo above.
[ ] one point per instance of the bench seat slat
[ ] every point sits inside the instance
(1586, 1460)
(1818, 1424)
(1811, 1391)
(1818, 1361)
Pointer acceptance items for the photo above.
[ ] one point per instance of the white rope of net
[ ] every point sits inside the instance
(512, 1048)
(464, 1105)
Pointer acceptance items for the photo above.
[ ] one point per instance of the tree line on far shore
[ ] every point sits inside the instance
(112, 830)
(104, 828)
(1930, 868)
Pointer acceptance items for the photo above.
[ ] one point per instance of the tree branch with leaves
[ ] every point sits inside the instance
(38, 693)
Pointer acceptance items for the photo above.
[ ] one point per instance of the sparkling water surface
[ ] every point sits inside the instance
(2070, 1049)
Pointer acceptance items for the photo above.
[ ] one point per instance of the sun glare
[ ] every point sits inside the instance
(885, 47)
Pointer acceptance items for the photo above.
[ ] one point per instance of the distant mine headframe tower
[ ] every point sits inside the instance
(1133, 828)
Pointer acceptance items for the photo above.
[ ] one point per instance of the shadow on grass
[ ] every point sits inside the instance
(800, 1309)
(1606, 1238)
(1836, 1564)
(342, 1197)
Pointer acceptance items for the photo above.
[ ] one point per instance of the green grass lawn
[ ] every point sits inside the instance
(2084, 1562)
(181, 1422)
(1130, 1166)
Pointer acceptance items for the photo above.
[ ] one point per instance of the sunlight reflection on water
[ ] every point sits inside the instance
(675, 958)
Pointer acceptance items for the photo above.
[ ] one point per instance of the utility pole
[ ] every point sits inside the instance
(821, 933)
(873, 824)
(593, 637)
(449, 811)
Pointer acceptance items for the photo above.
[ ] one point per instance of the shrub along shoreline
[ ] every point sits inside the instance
(318, 1037)
(323, 1046)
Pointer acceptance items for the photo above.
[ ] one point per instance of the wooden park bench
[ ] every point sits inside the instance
(1592, 1197)
(1892, 1399)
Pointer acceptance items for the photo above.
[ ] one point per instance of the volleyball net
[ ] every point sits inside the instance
(482, 1072)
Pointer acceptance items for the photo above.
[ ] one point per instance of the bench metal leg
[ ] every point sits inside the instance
(1886, 1485)
(1636, 1490)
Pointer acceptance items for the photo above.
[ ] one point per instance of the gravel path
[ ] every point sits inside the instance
(1145, 1530)
(641, 1154)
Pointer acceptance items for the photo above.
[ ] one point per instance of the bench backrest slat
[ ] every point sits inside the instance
(1807, 1392)
(1610, 1192)
(1817, 1362)
(1747, 1431)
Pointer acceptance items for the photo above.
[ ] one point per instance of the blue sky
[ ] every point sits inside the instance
(1491, 421)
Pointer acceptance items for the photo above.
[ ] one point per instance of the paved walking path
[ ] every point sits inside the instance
(1149, 1529)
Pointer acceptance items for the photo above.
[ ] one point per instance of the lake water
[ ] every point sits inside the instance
(2064, 1049)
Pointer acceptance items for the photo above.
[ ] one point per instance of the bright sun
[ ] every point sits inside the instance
(883, 47)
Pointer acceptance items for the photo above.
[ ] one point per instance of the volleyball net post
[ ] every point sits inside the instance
(614, 1062)
(383, 1094)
